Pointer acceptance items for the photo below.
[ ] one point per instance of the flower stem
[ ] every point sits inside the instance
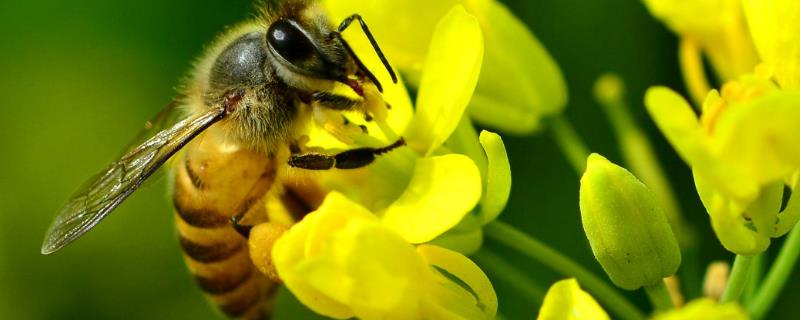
(570, 143)
(659, 296)
(694, 75)
(754, 279)
(777, 275)
(494, 265)
(529, 246)
(738, 279)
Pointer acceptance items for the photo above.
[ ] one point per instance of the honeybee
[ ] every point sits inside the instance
(245, 108)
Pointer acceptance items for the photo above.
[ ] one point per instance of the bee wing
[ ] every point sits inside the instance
(105, 191)
(168, 116)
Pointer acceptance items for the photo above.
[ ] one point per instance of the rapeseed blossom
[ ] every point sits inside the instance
(366, 250)
(743, 150)
(519, 85)
(343, 261)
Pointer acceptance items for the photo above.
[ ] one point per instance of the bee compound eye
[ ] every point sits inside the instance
(289, 41)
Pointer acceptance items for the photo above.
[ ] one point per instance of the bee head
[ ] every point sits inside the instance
(308, 53)
(304, 52)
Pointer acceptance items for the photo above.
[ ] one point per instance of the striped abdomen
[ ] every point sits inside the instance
(214, 182)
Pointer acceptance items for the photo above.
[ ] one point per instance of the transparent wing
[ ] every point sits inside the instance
(104, 192)
(168, 116)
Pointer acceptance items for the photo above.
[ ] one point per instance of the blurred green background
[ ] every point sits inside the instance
(78, 79)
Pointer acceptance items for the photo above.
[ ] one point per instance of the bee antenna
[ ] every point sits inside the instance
(360, 64)
(346, 23)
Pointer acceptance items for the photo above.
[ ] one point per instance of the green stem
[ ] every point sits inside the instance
(495, 265)
(659, 296)
(738, 278)
(691, 272)
(754, 279)
(570, 143)
(777, 276)
(529, 246)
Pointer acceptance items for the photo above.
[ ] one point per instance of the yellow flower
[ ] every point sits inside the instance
(705, 309)
(369, 250)
(774, 25)
(716, 26)
(519, 83)
(566, 301)
(342, 261)
(431, 186)
(743, 150)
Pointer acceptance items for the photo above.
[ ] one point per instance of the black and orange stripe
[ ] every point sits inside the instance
(216, 254)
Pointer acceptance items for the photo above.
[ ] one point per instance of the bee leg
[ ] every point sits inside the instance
(371, 105)
(240, 228)
(350, 159)
(330, 100)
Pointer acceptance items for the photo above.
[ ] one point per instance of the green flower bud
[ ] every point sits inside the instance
(627, 229)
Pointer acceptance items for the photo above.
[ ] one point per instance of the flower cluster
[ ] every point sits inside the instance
(742, 152)
(392, 240)
(388, 241)
(742, 149)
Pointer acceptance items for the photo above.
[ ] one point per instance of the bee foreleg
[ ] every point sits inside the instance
(350, 159)
(333, 101)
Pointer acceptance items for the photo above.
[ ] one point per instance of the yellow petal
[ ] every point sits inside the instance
(287, 253)
(442, 191)
(520, 82)
(400, 27)
(774, 25)
(763, 212)
(371, 269)
(498, 177)
(514, 57)
(334, 212)
(697, 18)
(676, 120)
(566, 301)
(466, 237)
(791, 214)
(717, 25)
(727, 221)
(761, 136)
(341, 262)
(466, 271)
(448, 80)
(705, 309)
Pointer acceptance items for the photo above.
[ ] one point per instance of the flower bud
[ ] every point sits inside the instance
(626, 228)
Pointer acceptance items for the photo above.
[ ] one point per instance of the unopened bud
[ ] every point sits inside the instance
(626, 227)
